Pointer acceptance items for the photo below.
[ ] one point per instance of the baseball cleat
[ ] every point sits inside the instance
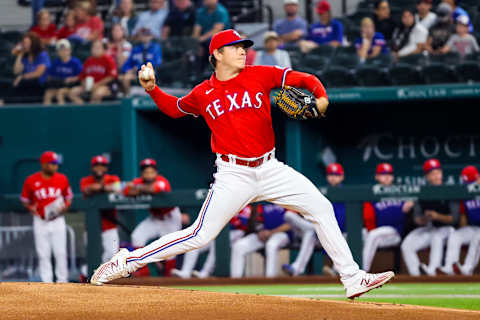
(113, 269)
(288, 269)
(443, 271)
(368, 282)
(425, 270)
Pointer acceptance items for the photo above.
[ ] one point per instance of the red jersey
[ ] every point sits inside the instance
(45, 34)
(85, 29)
(99, 68)
(160, 184)
(238, 110)
(41, 192)
(65, 32)
(108, 216)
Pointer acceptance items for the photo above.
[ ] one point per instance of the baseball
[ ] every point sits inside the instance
(146, 74)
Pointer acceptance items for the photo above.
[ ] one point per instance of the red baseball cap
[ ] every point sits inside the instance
(430, 165)
(49, 157)
(99, 160)
(323, 6)
(335, 168)
(469, 174)
(227, 38)
(384, 168)
(149, 162)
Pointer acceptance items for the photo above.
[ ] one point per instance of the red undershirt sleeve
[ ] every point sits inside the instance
(170, 105)
(369, 216)
(305, 81)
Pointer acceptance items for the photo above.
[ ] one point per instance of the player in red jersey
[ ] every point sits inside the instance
(235, 103)
(161, 221)
(47, 195)
(101, 182)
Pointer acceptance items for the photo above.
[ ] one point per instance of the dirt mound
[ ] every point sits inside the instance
(81, 301)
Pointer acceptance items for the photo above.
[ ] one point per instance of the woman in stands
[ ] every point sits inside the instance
(371, 43)
(69, 26)
(45, 29)
(118, 46)
(410, 37)
(30, 68)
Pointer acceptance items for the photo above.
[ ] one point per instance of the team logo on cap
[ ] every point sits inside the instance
(236, 33)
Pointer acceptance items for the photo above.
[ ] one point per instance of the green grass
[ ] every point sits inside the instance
(446, 295)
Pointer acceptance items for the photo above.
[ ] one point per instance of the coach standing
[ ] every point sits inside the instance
(47, 195)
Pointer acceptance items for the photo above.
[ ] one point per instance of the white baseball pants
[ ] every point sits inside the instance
(307, 230)
(235, 235)
(152, 227)
(462, 236)
(190, 259)
(111, 243)
(473, 255)
(235, 187)
(422, 238)
(51, 236)
(252, 243)
(381, 237)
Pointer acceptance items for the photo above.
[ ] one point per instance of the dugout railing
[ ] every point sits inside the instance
(352, 196)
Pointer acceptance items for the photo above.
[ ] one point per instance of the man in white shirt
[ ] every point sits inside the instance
(424, 14)
(152, 19)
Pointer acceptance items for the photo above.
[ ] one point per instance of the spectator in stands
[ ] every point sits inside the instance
(458, 12)
(97, 75)
(327, 31)
(88, 27)
(125, 15)
(118, 47)
(271, 55)
(210, 19)
(180, 20)
(152, 19)
(382, 19)
(461, 42)
(146, 51)
(69, 26)
(62, 74)
(45, 29)
(37, 5)
(441, 31)
(31, 65)
(371, 43)
(292, 28)
(424, 14)
(410, 37)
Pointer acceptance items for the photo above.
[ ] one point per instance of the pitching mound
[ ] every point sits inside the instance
(81, 301)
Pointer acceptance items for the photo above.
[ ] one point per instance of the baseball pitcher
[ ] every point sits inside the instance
(235, 103)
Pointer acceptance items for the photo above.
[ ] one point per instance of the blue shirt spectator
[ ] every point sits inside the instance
(292, 28)
(152, 19)
(63, 70)
(210, 19)
(30, 66)
(461, 12)
(378, 40)
(142, 54)
(324, 34)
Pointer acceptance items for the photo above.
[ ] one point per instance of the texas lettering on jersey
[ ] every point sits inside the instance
(215, 109)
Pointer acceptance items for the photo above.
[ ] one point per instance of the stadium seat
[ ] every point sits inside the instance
(381, 61)
(414, 59)
(346, 50)
(350, 61)
(473, 57)
(338, 77)
(468, 72)
(12, 36)
(405, 74)
(369, 76)
(312, 63)
(450, 58)
(439, 73)
(323, 50)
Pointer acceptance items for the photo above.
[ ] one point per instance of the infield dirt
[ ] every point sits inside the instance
(83, 301)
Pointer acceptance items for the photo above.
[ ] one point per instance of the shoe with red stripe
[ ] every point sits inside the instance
(368, 282)
(113, 269)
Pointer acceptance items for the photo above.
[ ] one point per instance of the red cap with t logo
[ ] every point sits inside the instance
(99, 160)
(469, 174)
(335, 168)
(49, 157)
(384, 168)
(227, 38)
(430, 165)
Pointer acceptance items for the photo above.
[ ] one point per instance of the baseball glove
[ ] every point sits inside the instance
(296, 104)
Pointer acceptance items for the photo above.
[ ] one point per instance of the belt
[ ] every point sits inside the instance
(247, 163)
